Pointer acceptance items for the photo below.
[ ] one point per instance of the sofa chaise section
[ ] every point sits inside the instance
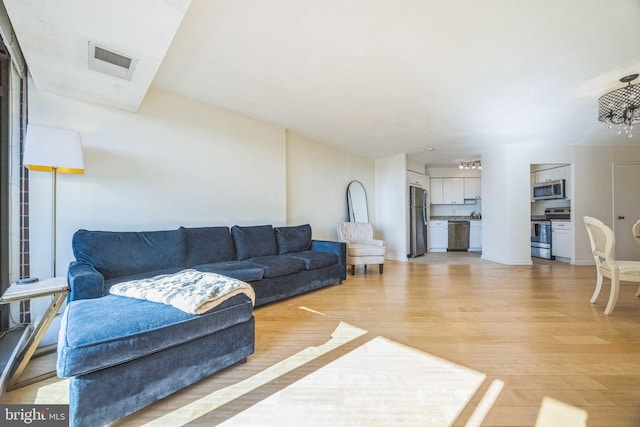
(123, 354)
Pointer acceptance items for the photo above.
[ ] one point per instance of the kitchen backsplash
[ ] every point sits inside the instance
(537, 208)
(456, 210)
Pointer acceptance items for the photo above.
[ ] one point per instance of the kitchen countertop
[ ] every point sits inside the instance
(544, 218)
(454, 218)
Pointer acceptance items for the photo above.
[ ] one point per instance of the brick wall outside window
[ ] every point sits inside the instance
(25, 270)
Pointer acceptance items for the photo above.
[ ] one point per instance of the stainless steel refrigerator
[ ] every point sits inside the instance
(418, 221)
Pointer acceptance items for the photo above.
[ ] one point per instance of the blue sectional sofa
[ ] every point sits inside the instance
(123, 354)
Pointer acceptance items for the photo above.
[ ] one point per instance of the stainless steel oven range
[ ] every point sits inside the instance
(541, 231)
(541, 239)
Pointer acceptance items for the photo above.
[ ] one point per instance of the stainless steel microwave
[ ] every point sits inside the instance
(549, 190)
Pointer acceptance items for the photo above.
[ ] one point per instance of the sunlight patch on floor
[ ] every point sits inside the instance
(554, 413)
(311, 310)
(57, 392)
(380, 383)
(487, 402)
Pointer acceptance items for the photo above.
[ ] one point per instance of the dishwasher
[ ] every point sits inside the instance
(458, 236)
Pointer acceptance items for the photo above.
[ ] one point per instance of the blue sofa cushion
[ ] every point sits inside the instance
(313, 260)
(208, 244)
(123, 253)
(278, 265)
(293, 239)
(254, 241)
(102, 332)
(241, 270)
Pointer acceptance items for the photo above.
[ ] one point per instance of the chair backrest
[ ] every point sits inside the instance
(602, 242)
(636, 231)
(355, 231)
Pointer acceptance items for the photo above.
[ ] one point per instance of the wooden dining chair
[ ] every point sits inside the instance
(603, 242)
(636, 231)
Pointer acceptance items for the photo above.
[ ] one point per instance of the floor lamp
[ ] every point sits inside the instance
(53, 150)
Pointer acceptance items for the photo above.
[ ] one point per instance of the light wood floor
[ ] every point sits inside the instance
(529, 326)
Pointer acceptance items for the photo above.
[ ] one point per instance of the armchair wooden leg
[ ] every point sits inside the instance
(613, 296)
(598, 288)
(353, 270)
(380, 267)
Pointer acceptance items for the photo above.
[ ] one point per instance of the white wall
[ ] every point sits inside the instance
(317, 180)
(392, 205)
(506, 212)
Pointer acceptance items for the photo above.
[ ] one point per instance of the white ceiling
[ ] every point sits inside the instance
(375, 77)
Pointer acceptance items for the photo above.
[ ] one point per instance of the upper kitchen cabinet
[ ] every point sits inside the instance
(436, 191)
(447, 191)
(552, 174)
(472, 188)
(417, 179)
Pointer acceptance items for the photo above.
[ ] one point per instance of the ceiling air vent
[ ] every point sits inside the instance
(110, 62)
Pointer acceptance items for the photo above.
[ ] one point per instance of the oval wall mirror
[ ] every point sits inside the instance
(357, 202)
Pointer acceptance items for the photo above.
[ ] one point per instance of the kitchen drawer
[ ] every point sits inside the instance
(561, 225)
(439, 223)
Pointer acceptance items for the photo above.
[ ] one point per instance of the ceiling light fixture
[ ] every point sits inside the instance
(475, 164)
(621, 106)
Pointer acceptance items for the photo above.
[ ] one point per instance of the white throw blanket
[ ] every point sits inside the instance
(190, 290)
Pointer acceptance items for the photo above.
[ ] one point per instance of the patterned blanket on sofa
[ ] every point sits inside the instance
(190, 290)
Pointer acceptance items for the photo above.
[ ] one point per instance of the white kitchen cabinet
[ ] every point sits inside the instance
(559, 173)
(475, 236)
(552, 174)
(453, 191)
(436, 191)
(472, 188)
(417, 180)
(438, 236)
(561, 239)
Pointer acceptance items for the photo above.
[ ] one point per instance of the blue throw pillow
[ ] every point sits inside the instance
(254, 241)
(293, 239)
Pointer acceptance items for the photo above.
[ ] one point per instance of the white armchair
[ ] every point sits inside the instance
(362, 248)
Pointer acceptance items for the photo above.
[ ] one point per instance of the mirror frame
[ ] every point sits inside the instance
(356, 195)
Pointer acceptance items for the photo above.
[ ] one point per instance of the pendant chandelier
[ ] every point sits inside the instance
(621, 106)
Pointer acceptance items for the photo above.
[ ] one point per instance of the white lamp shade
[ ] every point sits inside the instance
(47, 148)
